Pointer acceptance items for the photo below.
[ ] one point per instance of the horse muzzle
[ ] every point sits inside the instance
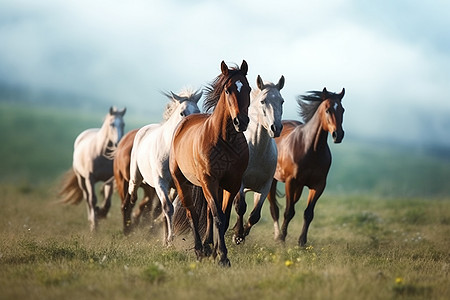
(275, 130)
(241, 123)
(338, 136)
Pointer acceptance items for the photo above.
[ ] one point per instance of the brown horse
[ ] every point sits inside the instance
(122, 176)
(304, 157)
(210, 151)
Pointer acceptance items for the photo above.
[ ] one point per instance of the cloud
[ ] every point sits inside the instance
(392, 58)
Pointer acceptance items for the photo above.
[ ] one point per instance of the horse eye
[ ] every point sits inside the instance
(263, 101)
(182, 114)
(227, 92)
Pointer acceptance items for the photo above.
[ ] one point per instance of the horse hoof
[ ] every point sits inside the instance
(225, 262)
(207, 251)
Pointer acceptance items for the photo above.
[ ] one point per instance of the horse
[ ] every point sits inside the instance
(265, 111)
(122, 177)
(92, 162)
(149, 163)
(210, 151)
(304, 157)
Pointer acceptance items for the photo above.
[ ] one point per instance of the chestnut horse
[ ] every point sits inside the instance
(122, 176)
(149, 162)
(92, 162)
(265, 111)
(304, 157)
(210, 151)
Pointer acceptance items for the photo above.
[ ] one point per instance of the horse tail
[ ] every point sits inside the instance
(181, 224)
(70, 191)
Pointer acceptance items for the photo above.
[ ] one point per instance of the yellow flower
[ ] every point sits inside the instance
(193, 266)
(288, 263)
(399, 280)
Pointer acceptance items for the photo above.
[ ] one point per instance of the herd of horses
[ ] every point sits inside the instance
(193, 167)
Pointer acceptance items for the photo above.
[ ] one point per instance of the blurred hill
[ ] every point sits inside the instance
(37, 143)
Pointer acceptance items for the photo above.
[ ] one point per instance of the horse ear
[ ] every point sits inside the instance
(324, 93)
(280, 83)
(259, 83)
(244, 67)
(197, 96)
(111, 110)
(342, 93)
(124, 110)
(176, 97)
(224, 68)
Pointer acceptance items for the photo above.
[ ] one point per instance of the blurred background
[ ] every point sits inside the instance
(64, 63)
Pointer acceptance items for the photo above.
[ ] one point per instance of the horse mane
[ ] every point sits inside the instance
(309, 103)
(215, 88)
(186, 94)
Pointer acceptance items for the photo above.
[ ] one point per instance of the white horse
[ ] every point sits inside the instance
(150, 153)
(93, 162)
(265, 111)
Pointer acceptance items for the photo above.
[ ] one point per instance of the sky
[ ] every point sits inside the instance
(392, 57)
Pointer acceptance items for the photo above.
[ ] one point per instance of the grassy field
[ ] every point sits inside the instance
(381, 231)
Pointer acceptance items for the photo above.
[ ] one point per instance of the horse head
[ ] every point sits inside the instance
(333, 114)
(237, 95)
(116, 124)
(182, 104)
(270, 105)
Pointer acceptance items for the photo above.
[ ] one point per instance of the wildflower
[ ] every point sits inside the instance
(399, 280)
(288, 263)
(309, 247)
(193, 266)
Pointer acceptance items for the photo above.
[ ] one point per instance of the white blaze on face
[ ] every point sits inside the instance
(335, 106)
(239, 85)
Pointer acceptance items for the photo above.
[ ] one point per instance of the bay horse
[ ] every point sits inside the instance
(122, 160)
(92, 162)
(210, 151)
(304, 157)
(265, 111)
(149, 163)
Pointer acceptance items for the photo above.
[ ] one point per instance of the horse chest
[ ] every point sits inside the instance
(225, 156)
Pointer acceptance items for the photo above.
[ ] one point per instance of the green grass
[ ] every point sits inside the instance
(360, 247)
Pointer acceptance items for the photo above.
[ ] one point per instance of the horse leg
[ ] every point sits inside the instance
(208, 238)
(293, 193)
(274, 210)
(211, 193)
(255, 215)
(308, 214)
(108, 189)
(183, 188)
(162, 190)
(130, 201)
(91, 202)
(145, 206)
(240, 206)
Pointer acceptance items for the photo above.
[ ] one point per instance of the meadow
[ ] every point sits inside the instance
(381, 230)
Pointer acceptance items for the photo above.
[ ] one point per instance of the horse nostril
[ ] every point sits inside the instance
(236, 121)
(334, 135)
(273, 128)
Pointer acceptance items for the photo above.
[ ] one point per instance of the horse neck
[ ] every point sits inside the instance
(105, 144)
(256, 133)
(315, 135)
(220, 121)
(170, 125)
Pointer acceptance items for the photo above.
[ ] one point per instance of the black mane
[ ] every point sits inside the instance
(215, 88)
(309, 103)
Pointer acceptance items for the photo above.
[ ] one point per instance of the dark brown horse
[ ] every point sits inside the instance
(122, 176)
(304, 157)
(210, 151)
